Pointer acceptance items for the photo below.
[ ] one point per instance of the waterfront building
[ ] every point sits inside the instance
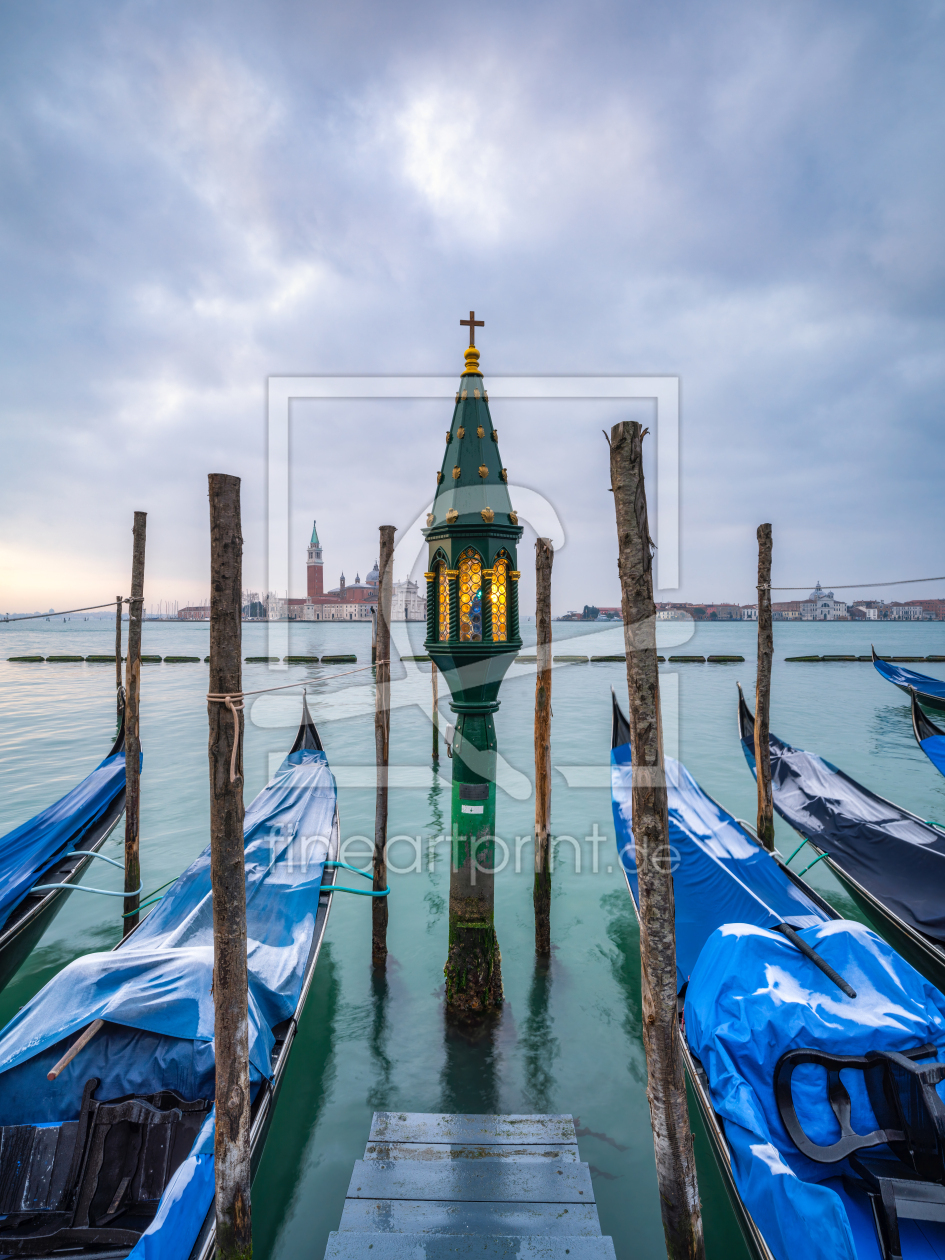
(820, 605)
(348, 601)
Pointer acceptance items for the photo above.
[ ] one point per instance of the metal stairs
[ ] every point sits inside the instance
(468, 1187)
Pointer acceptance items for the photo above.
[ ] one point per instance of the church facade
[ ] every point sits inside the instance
(348, 601)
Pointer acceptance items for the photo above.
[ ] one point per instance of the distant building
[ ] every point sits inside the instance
(750, 612)
(196, 612)
(786, 610)
(348, 601)
(820, 605)
(879, 610)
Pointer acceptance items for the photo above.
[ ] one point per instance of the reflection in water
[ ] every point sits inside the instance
(434, 800)
(471, 1072)
(306, 1088)
(379, 1094)
(539, 1046)
(624, 934)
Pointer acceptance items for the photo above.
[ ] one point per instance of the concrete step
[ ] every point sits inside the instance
(486, 1180)
(445, 1151)
(412, 1216)
(368, 1246)
(413, 1126)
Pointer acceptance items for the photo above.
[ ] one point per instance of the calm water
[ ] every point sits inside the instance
(569, 1039)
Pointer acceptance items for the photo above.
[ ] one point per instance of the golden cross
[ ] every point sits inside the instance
(472, 324)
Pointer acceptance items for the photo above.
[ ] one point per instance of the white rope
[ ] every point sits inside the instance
(852, 586)
(64, 612)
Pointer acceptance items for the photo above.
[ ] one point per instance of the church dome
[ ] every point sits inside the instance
(374, 576)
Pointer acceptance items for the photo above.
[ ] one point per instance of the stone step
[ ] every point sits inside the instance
(413, 1126)
(467, 1150)
(368, 1246)
(486, 1180)
(412, 1216)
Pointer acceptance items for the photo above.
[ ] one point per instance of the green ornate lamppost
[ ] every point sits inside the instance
(473, 636)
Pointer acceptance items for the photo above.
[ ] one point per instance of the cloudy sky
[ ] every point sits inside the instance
(196, 198)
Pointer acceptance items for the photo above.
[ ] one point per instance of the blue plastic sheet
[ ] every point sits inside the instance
(40, 843)
(719, 873)
(908, 680)
(156, 987)
(934, 749)
(751, 997)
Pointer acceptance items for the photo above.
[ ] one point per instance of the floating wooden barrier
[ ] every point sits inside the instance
(59, 660)
(150, 660)
(569, 660)
(694, 660)
(103, 660)
(470, 1186)
(339, 660)
(26, 659)
(724, 660)
(415, 658)
(622, 659)
(300, 660)
(261, 660)
(182, 660)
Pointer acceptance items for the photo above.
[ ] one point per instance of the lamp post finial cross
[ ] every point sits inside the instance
(472, 324)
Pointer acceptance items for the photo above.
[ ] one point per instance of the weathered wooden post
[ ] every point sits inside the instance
(544, 558)
(373, 636)
(385, 591)
(666, 1087)
(118, 602)
(473, 637)
(436, 713)
(132, 732)
(763, 691)
(228, 875)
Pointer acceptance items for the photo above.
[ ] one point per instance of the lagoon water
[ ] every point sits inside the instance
(569, 1037)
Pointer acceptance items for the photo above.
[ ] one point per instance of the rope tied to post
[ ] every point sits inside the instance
(236, 710)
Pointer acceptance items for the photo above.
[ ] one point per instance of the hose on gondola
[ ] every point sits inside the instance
(358, 892)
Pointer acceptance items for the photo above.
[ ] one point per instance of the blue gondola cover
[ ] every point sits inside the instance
(154, 990)
(37, 845)
(908, 680)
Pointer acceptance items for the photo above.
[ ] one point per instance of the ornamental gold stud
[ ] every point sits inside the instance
(456, 472)
(487, 515)
(513, 517)
(483, 471)
(495, 435)
(439, 478)
(480, 432)
(504, 474)
(430, 518)
(452, 516)
(449, 437)
(461, 432)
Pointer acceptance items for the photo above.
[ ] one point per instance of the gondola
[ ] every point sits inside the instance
(929, 691)
(112, 1149)
(891, 861)
(761, 959)
(53, 849)
(929, 737)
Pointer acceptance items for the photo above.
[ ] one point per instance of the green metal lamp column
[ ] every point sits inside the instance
(473, 531)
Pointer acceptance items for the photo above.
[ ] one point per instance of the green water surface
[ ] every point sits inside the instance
(569, 1038)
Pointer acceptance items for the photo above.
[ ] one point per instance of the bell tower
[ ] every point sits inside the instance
(315, 567)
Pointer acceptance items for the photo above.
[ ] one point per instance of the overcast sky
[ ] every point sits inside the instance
(195, 198)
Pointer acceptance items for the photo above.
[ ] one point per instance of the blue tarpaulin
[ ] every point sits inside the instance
(908, 680)
(154, 990)
(752, 997)
(720, 875)
(934, 748)
(37, 845)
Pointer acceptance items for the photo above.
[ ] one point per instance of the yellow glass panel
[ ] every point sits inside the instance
(500, 579)
(443, 588)
(470, 596)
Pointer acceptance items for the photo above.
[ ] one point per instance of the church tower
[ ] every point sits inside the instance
(316, 567)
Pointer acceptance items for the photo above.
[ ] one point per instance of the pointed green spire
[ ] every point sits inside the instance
(314, 542)
(472, 482)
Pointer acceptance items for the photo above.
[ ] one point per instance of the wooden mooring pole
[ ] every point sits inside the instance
(436, 713)
(132, 732)
(234, 1239)
(544, 558)
(765, 824)
(385, 589)
(666, 1086)
(118, 653)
